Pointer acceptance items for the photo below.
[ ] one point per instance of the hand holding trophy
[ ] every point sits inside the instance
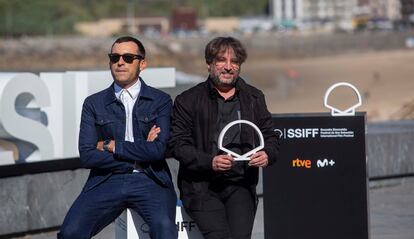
(246, 156)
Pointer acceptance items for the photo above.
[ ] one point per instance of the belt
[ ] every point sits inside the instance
(137, 168)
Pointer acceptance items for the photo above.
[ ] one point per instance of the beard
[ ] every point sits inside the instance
(224, 83)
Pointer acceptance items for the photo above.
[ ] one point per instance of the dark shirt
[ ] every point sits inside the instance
(229, 111)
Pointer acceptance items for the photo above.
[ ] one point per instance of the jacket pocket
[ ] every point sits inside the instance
(145, 122)
(105, 127)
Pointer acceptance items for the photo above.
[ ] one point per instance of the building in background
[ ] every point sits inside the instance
(184, 19)
(287, 13)
(407, 12)
(385, 9)
(100, 28)
(380, 14)
(330, 15)
(314, 14)
(308, 16)
(109, 27)
(221, 24)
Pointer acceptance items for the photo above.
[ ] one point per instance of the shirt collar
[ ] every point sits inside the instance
(213, 91)
(133, 91)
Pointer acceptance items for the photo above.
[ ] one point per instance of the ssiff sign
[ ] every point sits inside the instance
(129, 225)
(40, 114)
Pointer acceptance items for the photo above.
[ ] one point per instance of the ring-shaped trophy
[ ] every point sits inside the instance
(337, 112)
(237, 156)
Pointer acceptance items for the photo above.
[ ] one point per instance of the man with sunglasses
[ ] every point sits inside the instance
(218, 192)
(123, 137)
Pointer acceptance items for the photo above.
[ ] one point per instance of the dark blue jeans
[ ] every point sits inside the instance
(94, 209)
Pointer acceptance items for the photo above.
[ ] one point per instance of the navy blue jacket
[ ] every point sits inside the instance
(103, 117)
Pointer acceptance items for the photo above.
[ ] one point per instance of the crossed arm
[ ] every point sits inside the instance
(122, 154)
(152, 135)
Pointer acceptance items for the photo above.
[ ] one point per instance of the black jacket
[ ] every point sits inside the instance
(193, 125)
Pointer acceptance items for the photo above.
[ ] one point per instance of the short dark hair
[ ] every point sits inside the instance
(220, 44)
(141, 47)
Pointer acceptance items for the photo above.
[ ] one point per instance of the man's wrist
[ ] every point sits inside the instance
(107, 145)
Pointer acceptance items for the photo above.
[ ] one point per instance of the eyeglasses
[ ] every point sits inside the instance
(220, 63)
(128, 57)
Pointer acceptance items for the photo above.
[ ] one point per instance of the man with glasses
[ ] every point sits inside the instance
(218, 192)
(123, 137)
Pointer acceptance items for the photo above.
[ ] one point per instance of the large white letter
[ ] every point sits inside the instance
(25, 91)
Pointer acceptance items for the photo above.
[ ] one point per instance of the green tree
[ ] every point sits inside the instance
(39, 17)
(24, 17)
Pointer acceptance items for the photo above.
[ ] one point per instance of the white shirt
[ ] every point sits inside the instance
(128, 97)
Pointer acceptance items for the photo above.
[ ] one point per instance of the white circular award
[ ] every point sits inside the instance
(237, 156)
(337, 112)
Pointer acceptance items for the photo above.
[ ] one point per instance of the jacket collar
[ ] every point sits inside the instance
(145, 92)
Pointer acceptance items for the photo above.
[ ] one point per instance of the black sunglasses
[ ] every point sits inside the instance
(128, 57)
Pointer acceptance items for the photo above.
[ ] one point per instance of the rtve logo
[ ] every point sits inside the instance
(297, 133)
(301, 163)
(306, 163)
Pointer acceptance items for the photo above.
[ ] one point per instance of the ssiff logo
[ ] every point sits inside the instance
(297, 133)
(186, 225)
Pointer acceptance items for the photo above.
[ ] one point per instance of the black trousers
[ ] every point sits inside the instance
(234, 217)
